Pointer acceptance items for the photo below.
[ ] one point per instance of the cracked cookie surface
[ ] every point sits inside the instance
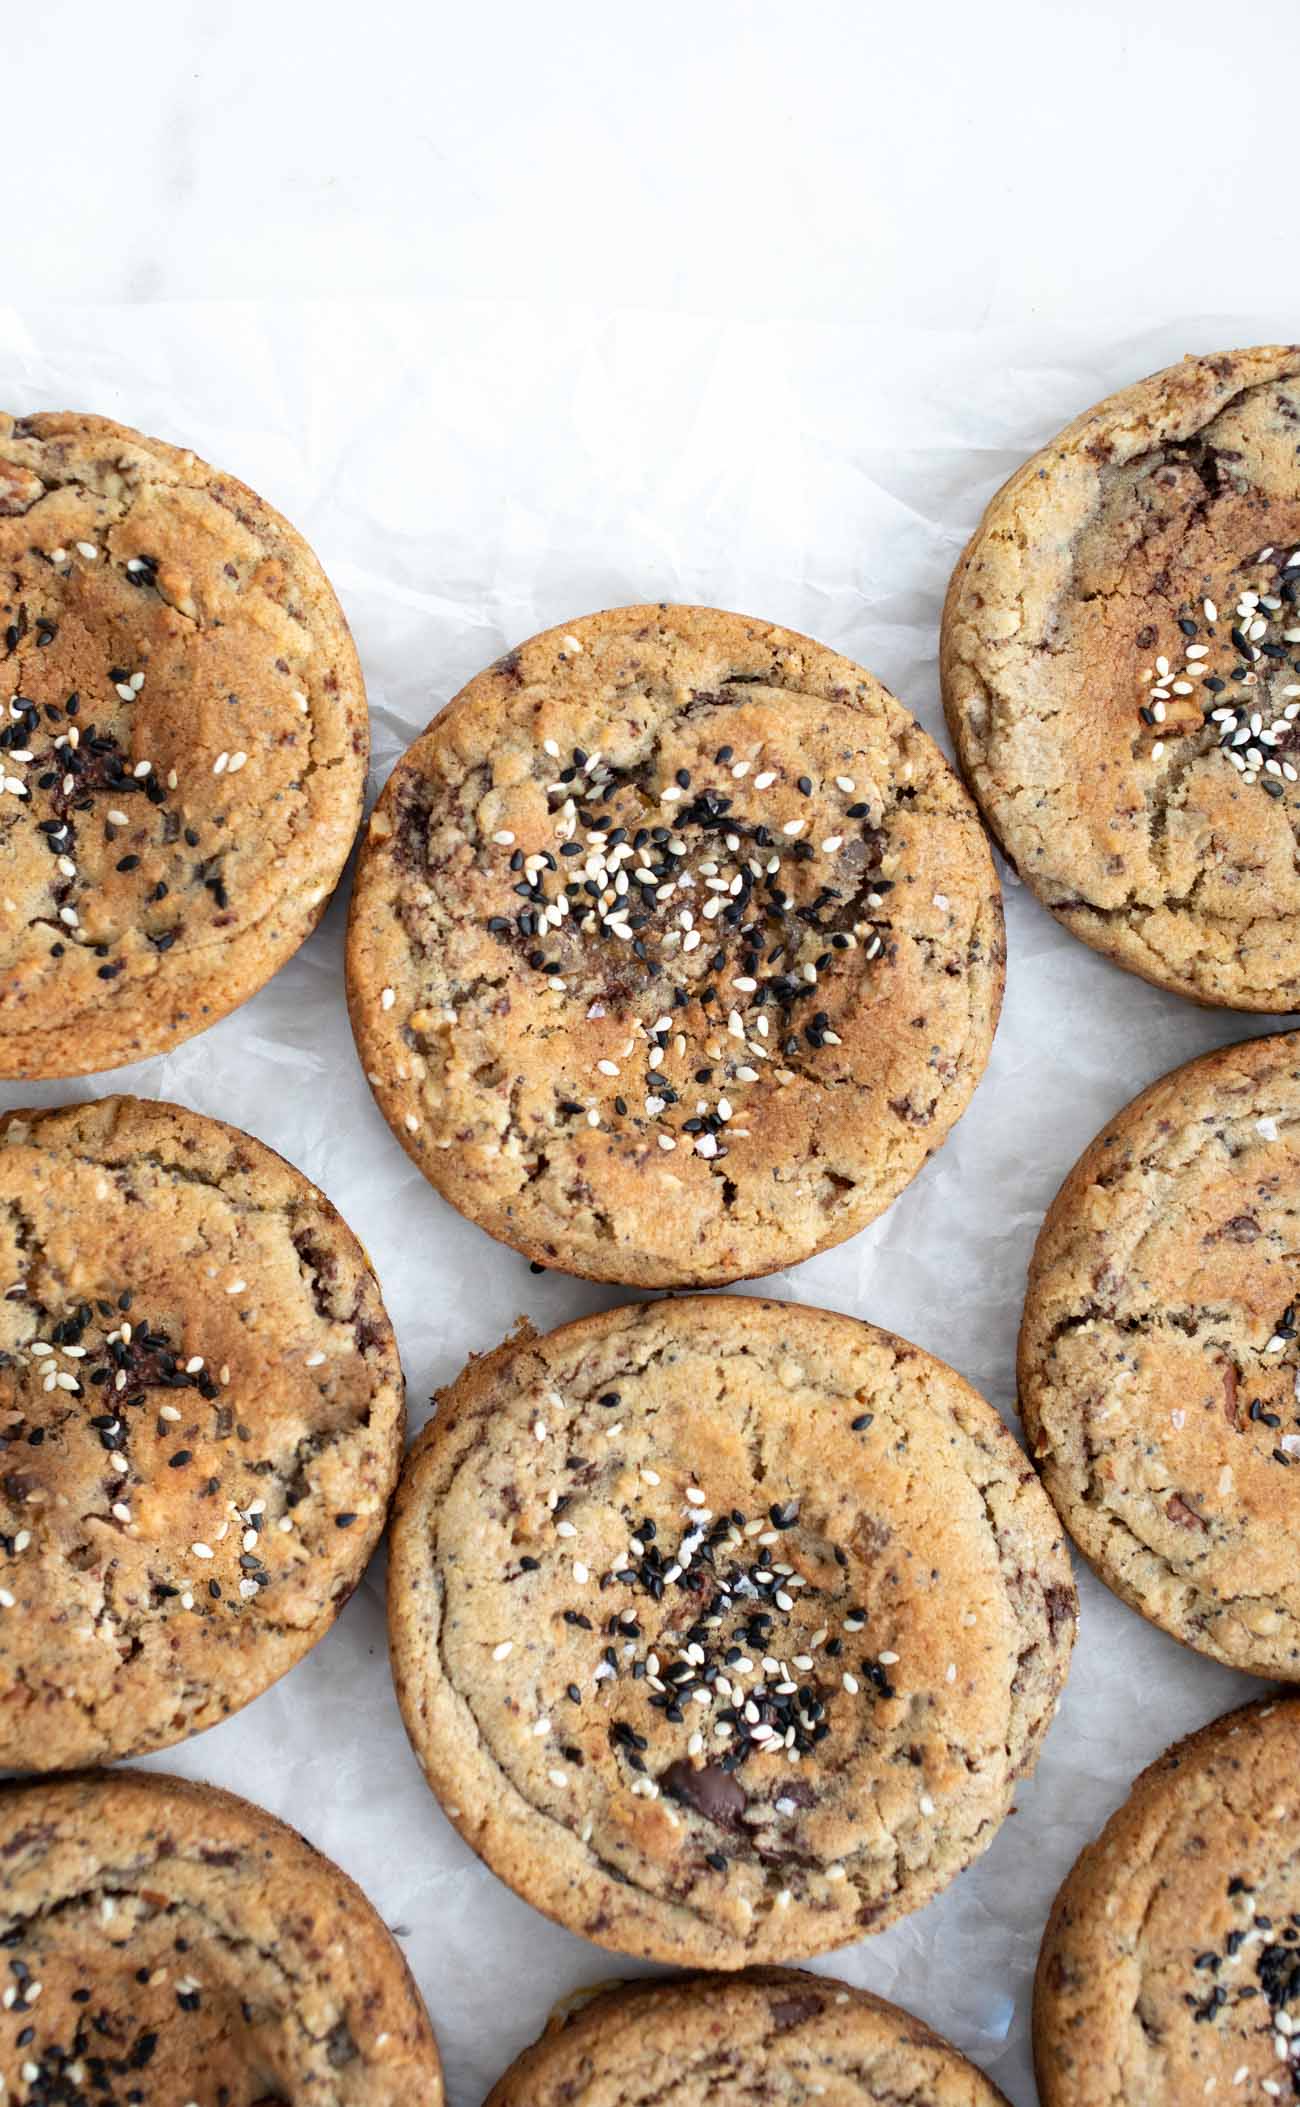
(770, 2034)
(183, 744)
(201, 1422)
(722, 1628)
(165, 1941)
(1159, 1365)
(1170, 1967)
(675, 948)
(1121, 674)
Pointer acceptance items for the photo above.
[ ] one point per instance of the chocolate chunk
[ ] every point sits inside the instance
(792, 2011)
(711, 1792)
(1178, 1511)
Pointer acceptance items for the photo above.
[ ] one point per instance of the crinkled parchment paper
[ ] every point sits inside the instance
(470, 474)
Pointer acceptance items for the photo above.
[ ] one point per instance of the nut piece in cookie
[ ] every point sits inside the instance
(1170, 1967)
(741, 2041)
(675, 948)
(183, 744)
(166, 1942)
(1159, 1356)
(723, 1629)
(1121, 674)
(201, 1417)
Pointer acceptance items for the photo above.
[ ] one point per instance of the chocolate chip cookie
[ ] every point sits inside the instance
(1121, 673)
(1159, 1364)
(201, 1420)
(675, 948)
(1170, 1968)
(183, 744)
(723, 1629)
(773, 2033)
(168, 1942)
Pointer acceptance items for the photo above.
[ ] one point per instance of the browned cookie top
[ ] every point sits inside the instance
(1158, 1354)
(183, 744)
(168, 1943)
(200, 1425)
(723, 1628)
(675, 948)
(1121, 672)
(742, 2041)
(1170, 1968)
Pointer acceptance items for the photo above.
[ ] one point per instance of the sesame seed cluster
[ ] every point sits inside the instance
(1159, 1374)
(1252, 704)
(163, 1941)
(690, 1650)
(1120, 660)
(183, 744)
(195, 1467)
(1171, 1965)
(675, 948)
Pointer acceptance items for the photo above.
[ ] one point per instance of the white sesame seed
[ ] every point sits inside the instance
(88, 550)
(503, 838)
(235, 763)
(500, 1652)
(201, 1550)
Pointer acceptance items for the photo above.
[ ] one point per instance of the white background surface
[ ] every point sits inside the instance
(522, 311)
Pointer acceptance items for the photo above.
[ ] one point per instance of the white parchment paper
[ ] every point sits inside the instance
(470, 473)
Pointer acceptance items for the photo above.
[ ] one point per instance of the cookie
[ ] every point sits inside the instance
(774, 2033)
(1121, 674)
(675, 948)
(165, 1941)
(201, 1418)
(184, 744)
(1159, 1366)
(1170, 1967)
(723, 1629)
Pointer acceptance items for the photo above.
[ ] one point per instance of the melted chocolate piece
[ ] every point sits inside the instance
(711, 1792)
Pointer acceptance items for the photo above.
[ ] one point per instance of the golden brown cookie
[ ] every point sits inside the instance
(1121, 674)
(1159, 1361)
(166, 1942)
(1170, 1968)
(723, 1629)
(184, 742)
(675, 948)
(201, 1420)
(770, 2034)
